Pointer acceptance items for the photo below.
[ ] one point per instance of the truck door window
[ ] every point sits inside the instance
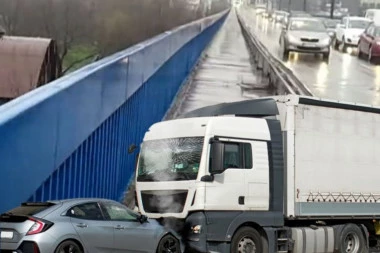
(232, 156)
(237, 155)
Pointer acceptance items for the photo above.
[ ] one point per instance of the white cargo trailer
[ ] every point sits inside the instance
(279, 174)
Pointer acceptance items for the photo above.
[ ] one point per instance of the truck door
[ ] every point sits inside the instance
(227, 190)
(257, 176)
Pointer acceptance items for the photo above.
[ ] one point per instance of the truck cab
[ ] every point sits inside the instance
(268, 175)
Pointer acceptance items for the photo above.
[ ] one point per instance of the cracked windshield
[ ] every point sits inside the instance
(170, 159)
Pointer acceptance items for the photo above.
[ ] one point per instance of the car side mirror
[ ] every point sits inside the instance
(142, 218)
(217, 157)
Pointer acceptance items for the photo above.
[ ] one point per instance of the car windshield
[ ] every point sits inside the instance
(358, 24)
(331, 23)
(170, 159)
(377, 32)
(307, 25)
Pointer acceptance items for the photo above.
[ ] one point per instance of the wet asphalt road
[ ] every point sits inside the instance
(345, 77)
(224, 75)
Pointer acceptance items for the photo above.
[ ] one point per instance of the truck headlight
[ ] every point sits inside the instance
(196, 229)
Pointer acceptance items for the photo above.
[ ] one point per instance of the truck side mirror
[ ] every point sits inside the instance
(217, 157)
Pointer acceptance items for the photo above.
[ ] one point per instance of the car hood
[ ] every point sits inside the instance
(309, 35)
(354, 32)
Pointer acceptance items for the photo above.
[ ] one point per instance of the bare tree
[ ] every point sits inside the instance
(10, 14)
(110, 25)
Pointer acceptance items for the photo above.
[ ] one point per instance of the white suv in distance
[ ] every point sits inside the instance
(348, 32)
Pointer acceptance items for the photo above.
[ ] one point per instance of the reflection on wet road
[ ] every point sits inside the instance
(345, 77)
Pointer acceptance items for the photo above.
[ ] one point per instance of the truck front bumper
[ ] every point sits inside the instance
(196, 239)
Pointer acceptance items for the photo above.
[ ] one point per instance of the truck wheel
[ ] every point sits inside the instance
(247, 240)
(351, 240)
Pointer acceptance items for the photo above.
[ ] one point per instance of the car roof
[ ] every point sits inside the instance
(358, 18)
(78, 200)
(305, 18)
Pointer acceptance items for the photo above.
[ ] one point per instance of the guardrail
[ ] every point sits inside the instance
(70, 138)
(281, 78)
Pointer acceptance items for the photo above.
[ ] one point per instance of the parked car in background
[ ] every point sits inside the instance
(369, 43)
(279, 16)
(331, 26)
(260, 9)
(82, 225)
(349, 30)
(373, 15)
(297, 14)
(305, 35)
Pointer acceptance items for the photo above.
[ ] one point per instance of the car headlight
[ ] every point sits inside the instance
(325, 41)
(331, 34)
(292, 39)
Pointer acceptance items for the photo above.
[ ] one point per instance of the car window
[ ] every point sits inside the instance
(87, 211)
(358, 24)
(370, 30)
(307, 25)
(118, 212)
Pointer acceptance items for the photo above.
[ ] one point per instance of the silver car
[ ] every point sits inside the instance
(305, 35)
(83, 225)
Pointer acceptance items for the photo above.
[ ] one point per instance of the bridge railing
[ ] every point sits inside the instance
(70, 138)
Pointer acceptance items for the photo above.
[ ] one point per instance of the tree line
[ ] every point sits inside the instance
(86, 28)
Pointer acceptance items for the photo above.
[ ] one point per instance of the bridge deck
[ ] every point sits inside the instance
(224, 74)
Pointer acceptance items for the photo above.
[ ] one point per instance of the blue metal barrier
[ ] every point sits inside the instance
(70, 138)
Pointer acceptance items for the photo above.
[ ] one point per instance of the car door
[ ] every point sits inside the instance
(96, 233)
(340, 30)
(367, 39)
(131, 235)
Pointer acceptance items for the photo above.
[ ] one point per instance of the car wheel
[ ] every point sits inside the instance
(285, 55)
(169, 244)
(336, 44)
(360, 53)
(370, 57)
(68, 247)
(344, 47)
(326, 57)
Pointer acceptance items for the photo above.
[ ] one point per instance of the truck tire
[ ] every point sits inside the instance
(248, 240)
(351, 240)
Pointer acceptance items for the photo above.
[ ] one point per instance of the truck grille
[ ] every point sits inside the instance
(309, 40)
(164, 201)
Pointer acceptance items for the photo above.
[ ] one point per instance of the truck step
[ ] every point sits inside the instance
(284, 241)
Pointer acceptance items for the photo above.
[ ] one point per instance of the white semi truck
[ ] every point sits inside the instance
(278, 174)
